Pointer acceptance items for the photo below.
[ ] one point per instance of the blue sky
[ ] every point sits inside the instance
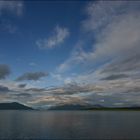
(78, 52)
(38, 21)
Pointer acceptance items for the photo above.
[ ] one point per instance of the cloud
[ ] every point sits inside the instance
(22, 95)
(129, 63)
(58, 37)
(4, 71)
(32, 76)
(35, 89)
(118, 19)
(57, 76)
(102, 13)
(107, 94)
(77, 57)
(120, 38)
(113, 62)
(111, 67)
(116, 37)
(47, 101)
(12, 85)
(8, 7)
(115, 77)
(3, 89)
(22, 85)
(15, 7)
(69, 89)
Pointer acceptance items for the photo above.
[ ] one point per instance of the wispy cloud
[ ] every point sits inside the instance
(15, 7)
(118, 36)
(77, 57)
(57, 37)
(102, 13)
(111, 74)
(113, 61)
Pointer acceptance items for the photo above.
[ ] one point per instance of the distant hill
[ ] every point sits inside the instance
(91, 107)
(75, 107)
(13, 106)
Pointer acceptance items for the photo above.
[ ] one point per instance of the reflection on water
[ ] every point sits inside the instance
(70, 124)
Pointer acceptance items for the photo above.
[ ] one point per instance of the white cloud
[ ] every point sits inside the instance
(117, 37)
(77, 57)
(58, 37)
(113, 64)
(101, 13)
(116, 28)
(15, 7)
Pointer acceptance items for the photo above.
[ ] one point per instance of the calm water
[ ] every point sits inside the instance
(70, 124)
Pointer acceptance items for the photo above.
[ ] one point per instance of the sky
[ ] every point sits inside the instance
(70, 52)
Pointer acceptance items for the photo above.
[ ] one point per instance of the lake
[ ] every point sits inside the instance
(69, 125)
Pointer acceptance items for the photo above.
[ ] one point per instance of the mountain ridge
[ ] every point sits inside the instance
(14, 106)
(91, 107)
(75, 107)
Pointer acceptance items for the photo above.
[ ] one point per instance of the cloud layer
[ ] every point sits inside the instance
(113, 61)
(109, 71)
(118, 36)
(32, 76)
(3, 89)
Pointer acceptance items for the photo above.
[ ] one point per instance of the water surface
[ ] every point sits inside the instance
(69, 124)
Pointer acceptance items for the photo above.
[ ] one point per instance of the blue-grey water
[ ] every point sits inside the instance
(69, 125)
